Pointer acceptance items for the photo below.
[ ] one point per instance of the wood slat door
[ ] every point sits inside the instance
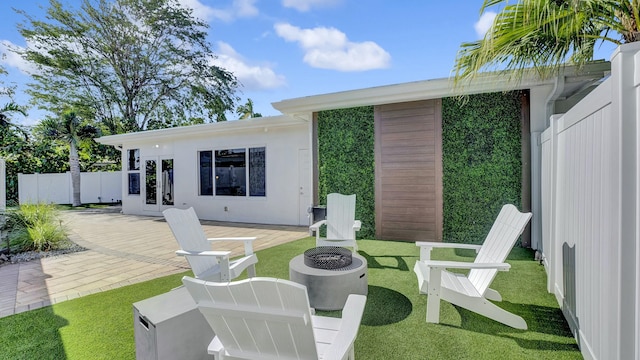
(408, 155)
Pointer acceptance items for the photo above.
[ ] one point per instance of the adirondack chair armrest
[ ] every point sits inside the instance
(223, 260)
(426, 247)
(248, 242)
(316, 226)
(466, 265)
(351, 318)
(219, 254)
(357, 225)
(245, 262)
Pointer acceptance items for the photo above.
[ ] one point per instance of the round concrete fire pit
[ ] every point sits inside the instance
(327, 257)
(328, 289)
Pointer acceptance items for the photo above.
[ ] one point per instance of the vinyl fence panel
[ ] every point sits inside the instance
(95, 187)
(591, 248)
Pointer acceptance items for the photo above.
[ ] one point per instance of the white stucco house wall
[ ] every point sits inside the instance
(255, 170)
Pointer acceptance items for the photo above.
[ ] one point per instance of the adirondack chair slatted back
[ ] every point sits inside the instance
(257, 318)
(509, 224)
(341, 214)
(187, 230)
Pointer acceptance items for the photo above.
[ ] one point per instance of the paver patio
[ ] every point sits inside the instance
(122, 250)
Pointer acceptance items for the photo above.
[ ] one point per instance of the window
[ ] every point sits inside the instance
(232, 172)
(134, 184)
(257, 172)
(151, 182)
(206, 172)
(133, 168)
(134, 159)
(167, 181)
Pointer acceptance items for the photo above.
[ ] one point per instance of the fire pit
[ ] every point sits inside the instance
(327, 257)
(330, 274)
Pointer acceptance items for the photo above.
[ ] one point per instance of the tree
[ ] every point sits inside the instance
(5, 118)
(129, 62)
(70, 129)
(545, 35)
(10, 108)
(246, 111)
(14, 140)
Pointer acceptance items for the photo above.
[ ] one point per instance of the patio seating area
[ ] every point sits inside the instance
(393, 323)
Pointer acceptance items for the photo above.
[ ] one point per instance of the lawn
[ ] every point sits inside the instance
(100, 326)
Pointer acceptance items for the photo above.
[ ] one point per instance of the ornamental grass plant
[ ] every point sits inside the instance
(36, 227)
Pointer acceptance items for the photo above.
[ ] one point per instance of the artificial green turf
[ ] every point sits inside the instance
(100, 326)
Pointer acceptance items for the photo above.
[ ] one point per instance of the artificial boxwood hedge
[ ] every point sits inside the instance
(481, 162)
(346, 161)
(481, 149)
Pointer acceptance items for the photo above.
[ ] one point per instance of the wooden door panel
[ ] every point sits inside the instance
(409, 171)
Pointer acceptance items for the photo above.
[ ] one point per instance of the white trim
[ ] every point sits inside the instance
(201, 130)
(423, 90)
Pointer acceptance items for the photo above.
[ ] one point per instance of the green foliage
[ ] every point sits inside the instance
(129, 63)
(246, 111)
(544, 36)
(481, 156)
(36, 227)
(347, 161)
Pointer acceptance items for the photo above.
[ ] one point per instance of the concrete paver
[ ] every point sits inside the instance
(122, 250)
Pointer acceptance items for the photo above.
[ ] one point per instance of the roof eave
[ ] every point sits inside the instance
(200, 130)
(421, 90)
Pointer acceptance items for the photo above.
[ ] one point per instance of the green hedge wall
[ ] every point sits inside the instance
(346, 161)
(481, 161)
(481, 149)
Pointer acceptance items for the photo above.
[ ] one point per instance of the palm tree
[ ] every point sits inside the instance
(5, 117)
(547, 34)
(246, 111)
(70, 129)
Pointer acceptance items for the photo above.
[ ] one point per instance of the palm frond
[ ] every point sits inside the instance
(546, 35)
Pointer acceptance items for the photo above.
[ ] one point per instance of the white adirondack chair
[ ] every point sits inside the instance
(196, 247)
(472, 291)
(341, 223)
(267, 318)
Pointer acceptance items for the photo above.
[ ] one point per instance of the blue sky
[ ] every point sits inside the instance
(282, 49)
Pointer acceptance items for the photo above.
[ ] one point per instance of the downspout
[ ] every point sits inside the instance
(558, 88)
(536, 166)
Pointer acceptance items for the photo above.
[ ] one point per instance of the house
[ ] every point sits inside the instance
(253, 170)
(383, 143)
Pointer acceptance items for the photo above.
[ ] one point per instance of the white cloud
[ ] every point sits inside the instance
(484, 23)
(253, 77)
(245, 8)
(238, 9)
(200, 10)
(11, 59)
(306, 5)
(329, 48)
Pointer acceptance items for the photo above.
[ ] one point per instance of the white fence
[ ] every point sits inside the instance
(590, 224)
(95, 187)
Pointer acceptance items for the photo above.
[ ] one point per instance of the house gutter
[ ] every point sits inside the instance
(536, 166)
(558, 88)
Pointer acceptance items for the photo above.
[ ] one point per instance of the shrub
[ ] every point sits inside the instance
(36, 227)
